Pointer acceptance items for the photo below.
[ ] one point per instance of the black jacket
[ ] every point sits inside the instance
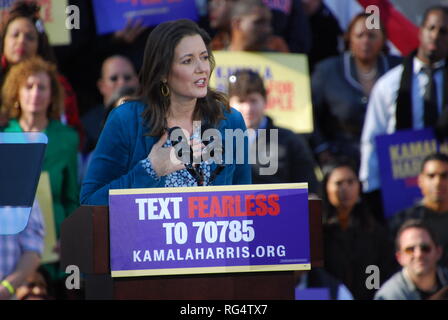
(347, 253)
(295, 160)
(340, 104)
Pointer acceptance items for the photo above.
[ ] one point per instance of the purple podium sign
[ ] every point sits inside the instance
(249, 228)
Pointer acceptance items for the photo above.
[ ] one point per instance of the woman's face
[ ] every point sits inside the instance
(343, 188)
(21, 40)
(35, 94)
(219, 13)
(190, 70)
(256, 27)
(365, 44)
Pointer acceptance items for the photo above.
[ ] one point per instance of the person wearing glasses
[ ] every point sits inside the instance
(134, 149)
(117, 71)
(418, 252)
(433, 208)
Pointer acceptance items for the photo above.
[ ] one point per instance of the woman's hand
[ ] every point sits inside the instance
(132, 30)
(164, 160)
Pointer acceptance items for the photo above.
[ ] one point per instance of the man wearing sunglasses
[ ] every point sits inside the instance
(418, 252)
(117, 72)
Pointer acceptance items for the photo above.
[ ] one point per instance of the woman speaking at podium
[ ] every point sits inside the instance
(134, 149)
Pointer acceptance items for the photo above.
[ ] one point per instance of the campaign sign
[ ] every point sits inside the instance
(286, 78)
(113, 15)
(312, 294)
(245, 228)
(54, 14)
(400, 157)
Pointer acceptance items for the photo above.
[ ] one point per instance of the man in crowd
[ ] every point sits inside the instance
(417, 251)
(433, 209)
(117, 72)
(248, 95)
(410, 96)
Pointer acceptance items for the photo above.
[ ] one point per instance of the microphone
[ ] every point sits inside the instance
(194, 171)
(180, 138)
(209, 144)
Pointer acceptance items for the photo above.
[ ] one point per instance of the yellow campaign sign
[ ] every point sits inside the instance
(45, 200)
(53, 15)
(286, 78)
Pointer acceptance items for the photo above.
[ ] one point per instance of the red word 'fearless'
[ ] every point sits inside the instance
(233, 206)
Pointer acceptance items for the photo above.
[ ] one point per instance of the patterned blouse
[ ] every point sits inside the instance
(180, 178)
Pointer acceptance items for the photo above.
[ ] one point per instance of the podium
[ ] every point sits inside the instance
(85, 243)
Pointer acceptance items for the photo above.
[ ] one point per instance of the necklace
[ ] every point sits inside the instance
(368, 75)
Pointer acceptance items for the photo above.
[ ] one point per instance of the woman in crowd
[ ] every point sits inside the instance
(134, 150)
(33, 98)
(341, 88)
(23, 36)
(353, 240)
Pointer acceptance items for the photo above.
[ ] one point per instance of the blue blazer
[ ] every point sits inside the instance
(123, 144)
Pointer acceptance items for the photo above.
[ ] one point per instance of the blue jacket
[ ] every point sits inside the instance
(123, 144)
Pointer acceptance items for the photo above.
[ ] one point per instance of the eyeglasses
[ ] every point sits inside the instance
(126, 77)
(425, 248)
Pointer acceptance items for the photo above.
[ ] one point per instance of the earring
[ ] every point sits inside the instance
(16, 105)
(164, 89)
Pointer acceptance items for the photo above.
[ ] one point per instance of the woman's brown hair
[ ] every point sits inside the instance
(244, 82)
(158, 57)
(29, 10)
(16, 79)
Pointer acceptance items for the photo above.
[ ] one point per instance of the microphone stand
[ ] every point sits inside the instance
(195, 170)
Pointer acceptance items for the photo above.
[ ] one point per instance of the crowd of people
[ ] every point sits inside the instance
(107, 104)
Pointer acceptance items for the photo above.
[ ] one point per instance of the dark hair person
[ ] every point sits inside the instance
(23, 20)
(341, 89)
(353, 239)
(33, 99)
(248, 95)
(23, 36)
(134, 150)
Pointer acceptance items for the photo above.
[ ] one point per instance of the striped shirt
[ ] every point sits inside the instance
(31, 238)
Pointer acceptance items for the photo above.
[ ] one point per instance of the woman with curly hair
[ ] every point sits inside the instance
(22, 36)
(33, 99)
